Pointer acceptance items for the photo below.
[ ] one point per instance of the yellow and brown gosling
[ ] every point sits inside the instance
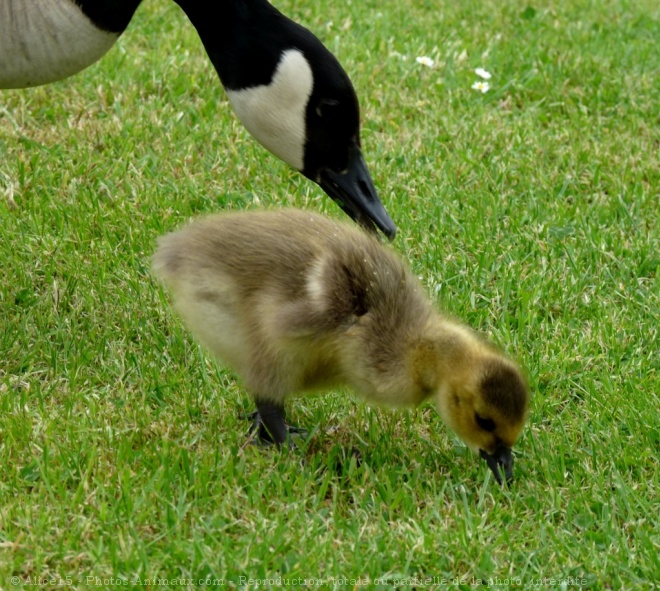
(295, 302)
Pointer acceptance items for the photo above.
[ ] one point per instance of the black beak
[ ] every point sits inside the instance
(354, 192)
(500, 457)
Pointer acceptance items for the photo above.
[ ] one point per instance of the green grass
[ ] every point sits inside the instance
(531, 212)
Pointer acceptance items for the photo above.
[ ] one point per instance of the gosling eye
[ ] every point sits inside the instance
(485, 424)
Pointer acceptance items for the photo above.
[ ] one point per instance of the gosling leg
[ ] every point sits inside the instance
(270, 426)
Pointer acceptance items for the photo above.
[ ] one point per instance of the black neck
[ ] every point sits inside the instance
(225, 16)
(240, 33)
(236, 33)
(110, 15)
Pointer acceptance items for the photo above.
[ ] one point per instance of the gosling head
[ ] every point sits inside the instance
(487, 409)
(480, 394)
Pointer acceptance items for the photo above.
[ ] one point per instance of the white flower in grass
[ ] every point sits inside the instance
(481, 86)
(425, 61)
(483, 74)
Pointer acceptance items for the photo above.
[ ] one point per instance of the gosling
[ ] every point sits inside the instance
(295, 302)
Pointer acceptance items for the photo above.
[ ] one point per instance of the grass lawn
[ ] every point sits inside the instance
(532, 212)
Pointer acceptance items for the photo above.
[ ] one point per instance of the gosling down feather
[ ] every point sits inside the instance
(295, 302)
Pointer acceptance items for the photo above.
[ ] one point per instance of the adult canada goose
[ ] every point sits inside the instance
(295, 302)
(287, 89)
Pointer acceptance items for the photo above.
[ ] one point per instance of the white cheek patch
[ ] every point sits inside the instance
(275, 114)
(46, 40)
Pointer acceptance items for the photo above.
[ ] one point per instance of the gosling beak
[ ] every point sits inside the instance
(354, 192)
(500, 457)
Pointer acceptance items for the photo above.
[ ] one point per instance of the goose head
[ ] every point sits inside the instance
(292, 94)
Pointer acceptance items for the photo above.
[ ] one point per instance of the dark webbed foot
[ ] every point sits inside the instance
(269, 427)
(500, 457)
